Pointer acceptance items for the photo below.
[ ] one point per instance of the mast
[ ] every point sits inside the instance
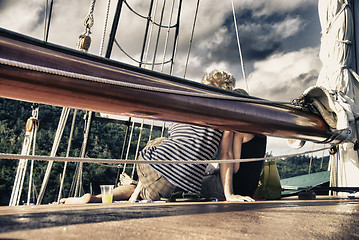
(116, 20)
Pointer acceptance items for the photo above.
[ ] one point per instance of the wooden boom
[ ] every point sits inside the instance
(32, 70)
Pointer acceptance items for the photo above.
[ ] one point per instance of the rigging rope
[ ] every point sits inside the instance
(139, 139)
(89, 20)
(84, 41)
(47, 19)
(30, 134)
(67, 154)
(128, 146)
(158, 35)
(145, 48)
(239, 47)
(148, 18)
(35, 115)
(105, 27)
(137, 61)
(151, 129)
(58, 135)
(88, 120)
(191, 40)
(167, 36)
(149, 38)
(175, 45)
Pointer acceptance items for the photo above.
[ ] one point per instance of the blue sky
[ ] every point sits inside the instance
(280, 40)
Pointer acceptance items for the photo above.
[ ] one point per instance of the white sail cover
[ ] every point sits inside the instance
(341, 84)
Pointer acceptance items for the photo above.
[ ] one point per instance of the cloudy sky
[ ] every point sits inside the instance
(280, 40)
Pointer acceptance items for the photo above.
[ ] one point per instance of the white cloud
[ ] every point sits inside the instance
(283, 77)
(265, 35)
(219, 37)
(288, 27)
(22, 16)
(267, 8)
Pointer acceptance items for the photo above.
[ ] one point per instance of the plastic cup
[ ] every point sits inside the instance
(107, 193)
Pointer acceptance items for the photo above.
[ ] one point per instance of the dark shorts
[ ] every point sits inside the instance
(212, 187)
(245, 181)
(154, 185)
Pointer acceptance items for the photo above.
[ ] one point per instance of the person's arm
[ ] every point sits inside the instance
(136, 192)
(227, 169)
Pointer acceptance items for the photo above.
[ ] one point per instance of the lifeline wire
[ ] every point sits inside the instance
(117, 161)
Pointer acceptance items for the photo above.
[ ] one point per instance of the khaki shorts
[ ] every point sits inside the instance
(154, 185)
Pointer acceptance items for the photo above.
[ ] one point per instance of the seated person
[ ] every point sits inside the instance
(185, 142)
(236, 181)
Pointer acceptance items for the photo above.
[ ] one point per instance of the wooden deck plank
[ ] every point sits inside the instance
(289, 218)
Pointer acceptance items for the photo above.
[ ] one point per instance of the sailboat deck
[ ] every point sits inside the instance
(326, 217)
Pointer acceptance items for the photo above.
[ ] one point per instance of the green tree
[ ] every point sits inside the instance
(105, 141)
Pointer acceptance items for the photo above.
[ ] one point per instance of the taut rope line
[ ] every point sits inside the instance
(118, 161)
(239, 47)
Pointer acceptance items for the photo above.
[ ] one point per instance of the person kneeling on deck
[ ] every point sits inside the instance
(236, 181)
(185, 142)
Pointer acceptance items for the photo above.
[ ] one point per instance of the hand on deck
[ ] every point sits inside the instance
(239, 198)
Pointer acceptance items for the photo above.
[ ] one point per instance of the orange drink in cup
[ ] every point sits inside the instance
(107, 193)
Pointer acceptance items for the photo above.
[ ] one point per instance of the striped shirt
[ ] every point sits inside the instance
(185, 142)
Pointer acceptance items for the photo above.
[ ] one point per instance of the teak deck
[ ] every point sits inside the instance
(289, 218)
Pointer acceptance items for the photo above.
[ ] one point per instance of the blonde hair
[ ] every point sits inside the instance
(220, 79)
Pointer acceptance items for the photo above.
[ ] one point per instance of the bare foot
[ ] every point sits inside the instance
(125, 179)
(77, 200)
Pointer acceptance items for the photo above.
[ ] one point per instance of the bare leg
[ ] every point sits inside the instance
(123, 192)
(87, 198)
(120, 193)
